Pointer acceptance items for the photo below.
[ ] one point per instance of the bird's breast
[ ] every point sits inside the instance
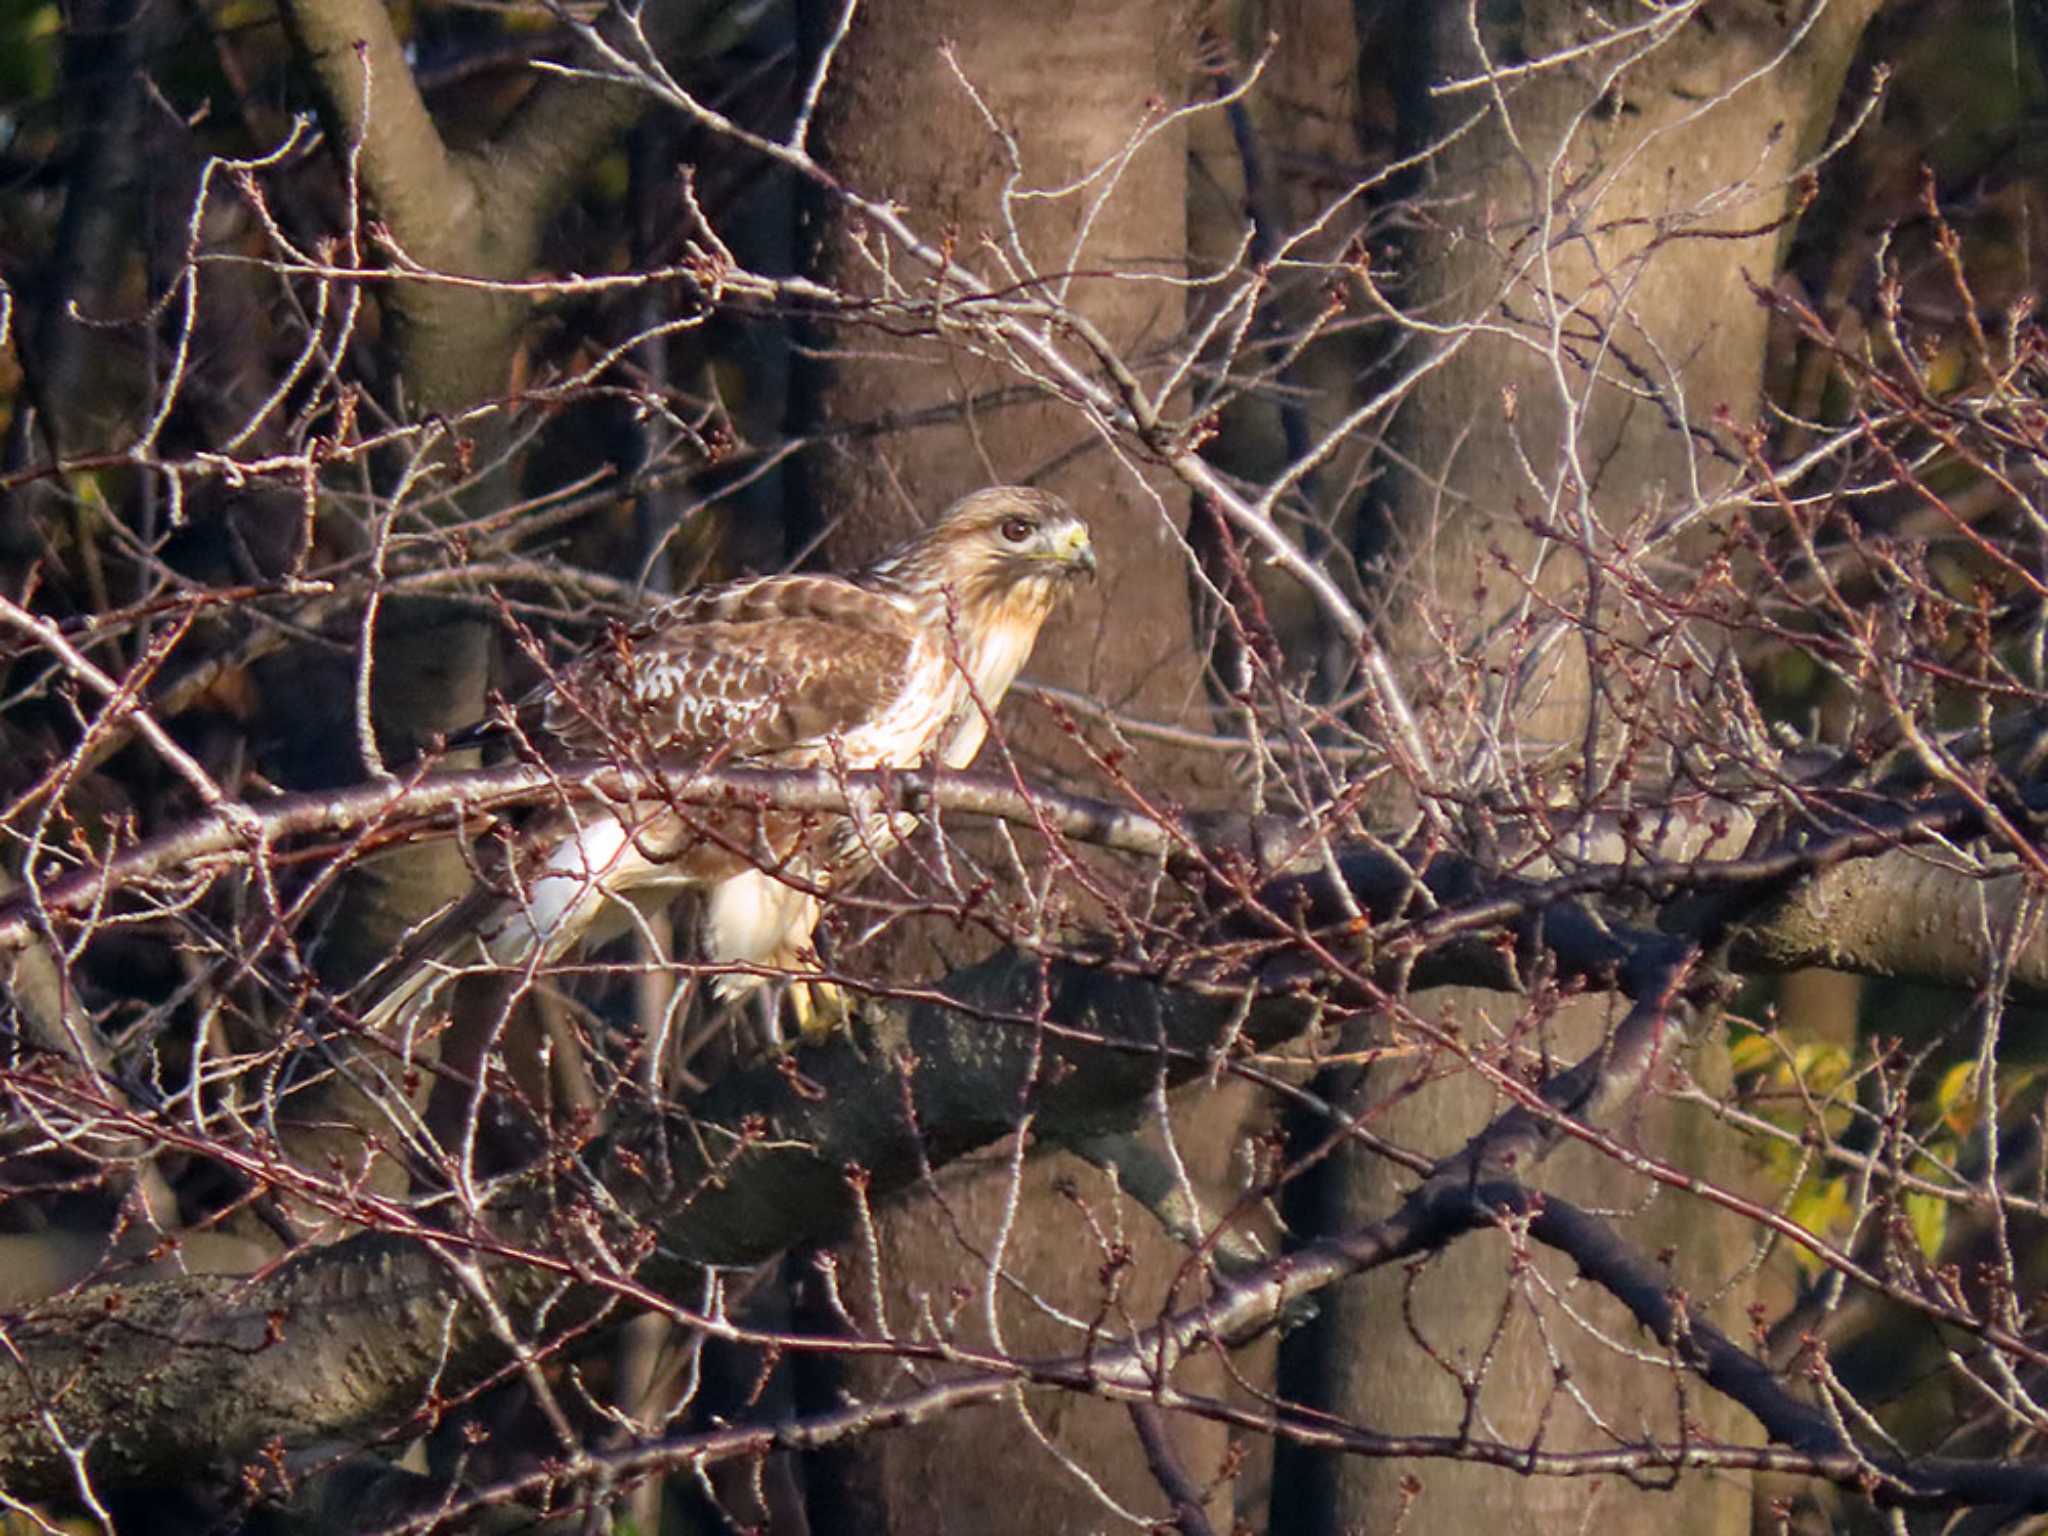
(906, 728)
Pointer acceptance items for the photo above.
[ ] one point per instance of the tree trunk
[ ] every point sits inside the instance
(1569, 225)
(1070, 83)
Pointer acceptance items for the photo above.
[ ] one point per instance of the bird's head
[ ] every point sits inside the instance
(1008, 543)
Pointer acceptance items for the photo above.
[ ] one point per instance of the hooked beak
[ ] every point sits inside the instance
(1073, 549)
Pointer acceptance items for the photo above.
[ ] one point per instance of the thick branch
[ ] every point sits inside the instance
(767, 1158)
(360, 1335)
(1859, 899)
(233, 834)
(471, 214)
(1911, 917)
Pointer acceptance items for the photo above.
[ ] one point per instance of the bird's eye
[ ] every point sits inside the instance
(1016, 530)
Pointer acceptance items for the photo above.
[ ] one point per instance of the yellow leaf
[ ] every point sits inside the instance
(1819, 1208)
(1929, 1217)
(1955, 1097)
(1821, 1067)
(1752, 1053)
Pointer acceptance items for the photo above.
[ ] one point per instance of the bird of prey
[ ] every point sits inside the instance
(889, 667)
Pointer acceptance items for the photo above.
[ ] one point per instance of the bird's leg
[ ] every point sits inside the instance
(822, 1009)
(765, 1001)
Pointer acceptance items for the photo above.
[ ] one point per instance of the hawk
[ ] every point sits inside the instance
(889, 667)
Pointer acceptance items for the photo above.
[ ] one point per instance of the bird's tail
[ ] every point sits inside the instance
(402, 992)
(553, 909)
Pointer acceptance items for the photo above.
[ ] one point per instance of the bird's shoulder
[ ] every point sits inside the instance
(821, 596)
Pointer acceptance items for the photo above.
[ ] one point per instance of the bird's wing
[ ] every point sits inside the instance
(754, 670)
(764, 670)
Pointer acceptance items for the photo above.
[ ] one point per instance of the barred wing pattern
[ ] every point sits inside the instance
(764, 670)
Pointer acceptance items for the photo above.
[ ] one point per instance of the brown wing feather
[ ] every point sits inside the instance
(756, 670)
